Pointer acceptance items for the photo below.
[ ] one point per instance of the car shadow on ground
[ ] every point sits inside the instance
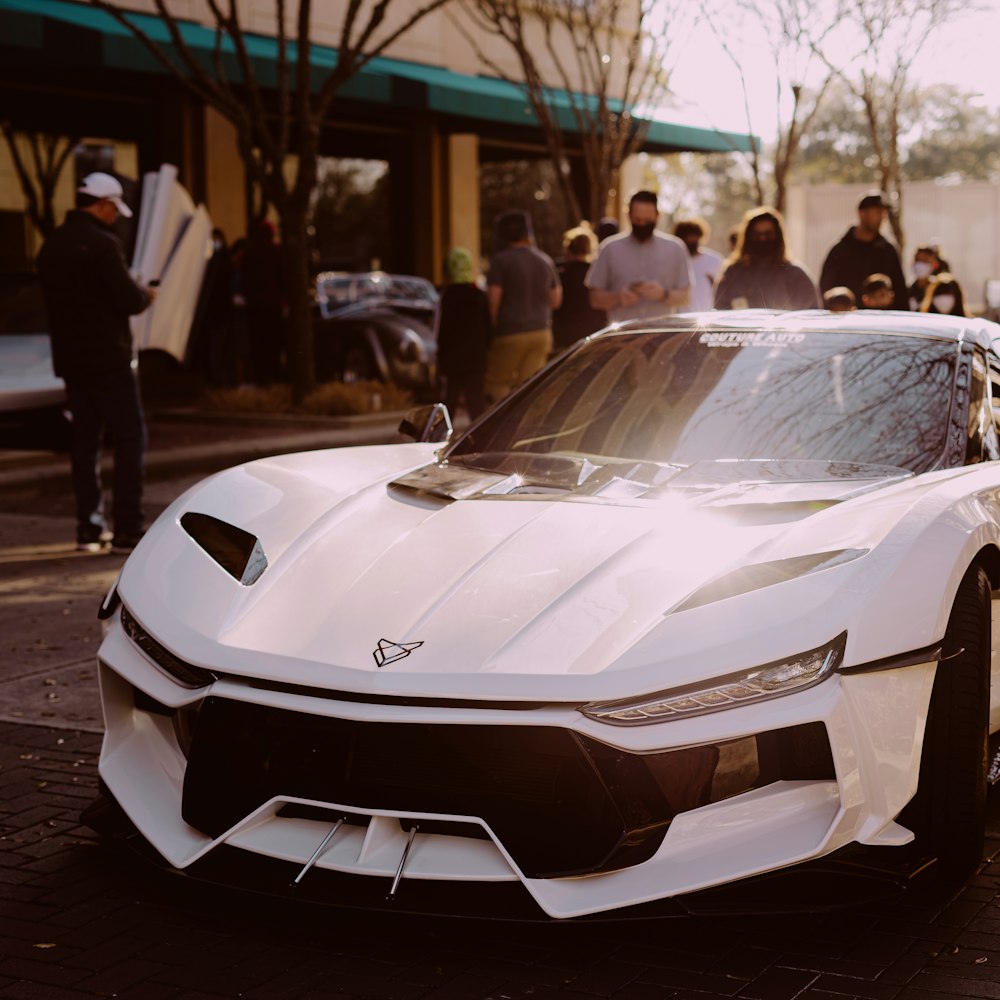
(88, 913)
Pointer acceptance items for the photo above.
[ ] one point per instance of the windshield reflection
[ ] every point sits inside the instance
(693, 396)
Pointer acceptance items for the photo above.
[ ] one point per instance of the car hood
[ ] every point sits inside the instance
(380, 581)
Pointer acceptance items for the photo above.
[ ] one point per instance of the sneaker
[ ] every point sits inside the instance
(100, 542)
(125, 543)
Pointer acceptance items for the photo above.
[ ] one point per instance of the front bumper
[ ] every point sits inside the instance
(588, 821)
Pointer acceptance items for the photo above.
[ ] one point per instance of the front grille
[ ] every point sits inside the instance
(560, 803)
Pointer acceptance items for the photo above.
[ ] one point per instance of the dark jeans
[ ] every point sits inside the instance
(265, 335)
(468, 385)
(107, 402)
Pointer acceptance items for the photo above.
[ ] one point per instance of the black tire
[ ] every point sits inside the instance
(358, 365)
(948, 813)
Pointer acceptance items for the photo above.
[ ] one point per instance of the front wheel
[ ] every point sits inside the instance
(948, 813)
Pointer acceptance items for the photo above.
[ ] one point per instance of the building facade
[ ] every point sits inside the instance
(426, 111)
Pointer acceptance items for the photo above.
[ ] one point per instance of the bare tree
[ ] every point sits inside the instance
(889, 36)
(49, 154)
(794, 36)
(596, 69)
(278, 128)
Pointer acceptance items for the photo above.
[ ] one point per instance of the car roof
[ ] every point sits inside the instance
(983, 332)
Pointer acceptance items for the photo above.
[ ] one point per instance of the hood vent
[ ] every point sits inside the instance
(237, 551)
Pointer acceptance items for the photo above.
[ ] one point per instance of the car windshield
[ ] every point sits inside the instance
(707, 395)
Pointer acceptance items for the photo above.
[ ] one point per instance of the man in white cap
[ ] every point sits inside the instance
(89, 297)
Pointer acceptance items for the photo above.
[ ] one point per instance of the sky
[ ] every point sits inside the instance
(707, 89)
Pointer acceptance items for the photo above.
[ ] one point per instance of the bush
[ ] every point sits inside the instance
(333, 399)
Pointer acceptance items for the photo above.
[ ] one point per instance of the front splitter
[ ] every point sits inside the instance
(856, 875)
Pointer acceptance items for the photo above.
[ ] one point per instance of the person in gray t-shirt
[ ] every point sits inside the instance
(523, 288)
(643, 272)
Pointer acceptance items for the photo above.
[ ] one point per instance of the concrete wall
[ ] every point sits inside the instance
(963, 218)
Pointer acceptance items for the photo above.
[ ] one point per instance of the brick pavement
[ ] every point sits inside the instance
(82, 919)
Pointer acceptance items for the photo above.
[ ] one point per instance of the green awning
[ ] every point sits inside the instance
(34, 24)
(490, 99)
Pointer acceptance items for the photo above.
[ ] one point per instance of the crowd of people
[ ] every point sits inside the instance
(493, 332)
(491, 340)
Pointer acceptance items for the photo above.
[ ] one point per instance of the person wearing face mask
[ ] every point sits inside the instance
(944, 296)
(705, 263)
(863, 250)
(641, 273)
(758, 273)
(926, 264)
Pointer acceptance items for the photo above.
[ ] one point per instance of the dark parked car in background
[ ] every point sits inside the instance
(379, 326)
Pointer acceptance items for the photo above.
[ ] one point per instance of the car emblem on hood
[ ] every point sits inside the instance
(389, 651)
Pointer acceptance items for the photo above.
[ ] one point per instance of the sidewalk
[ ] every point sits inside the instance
(191, 440)
(48, 591)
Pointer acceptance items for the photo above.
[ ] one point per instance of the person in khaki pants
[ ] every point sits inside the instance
(523, 288)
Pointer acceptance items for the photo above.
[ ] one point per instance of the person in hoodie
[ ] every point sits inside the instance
(89, 296)
(863, 250)
(758, 273)
(463, 335)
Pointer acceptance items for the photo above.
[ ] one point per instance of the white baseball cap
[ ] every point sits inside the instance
(100, 185)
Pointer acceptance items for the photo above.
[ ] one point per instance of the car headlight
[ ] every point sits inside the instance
(185, 674)
(766, 574)
(772, 680)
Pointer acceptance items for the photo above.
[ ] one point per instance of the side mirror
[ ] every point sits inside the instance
(427, 423)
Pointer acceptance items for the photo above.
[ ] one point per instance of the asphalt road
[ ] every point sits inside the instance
(80, 918)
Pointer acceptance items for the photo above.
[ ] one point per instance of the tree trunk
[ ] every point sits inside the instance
(300, 334)
(896, 220)
(567, 187)
(780, 188)
(599, 200)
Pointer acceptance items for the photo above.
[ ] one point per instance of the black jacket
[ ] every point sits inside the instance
(89, 296)
(463, 330)
(852, 260)
(575, 318)
(765, 285)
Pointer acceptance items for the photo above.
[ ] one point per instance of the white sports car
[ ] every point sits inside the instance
(708, 598)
